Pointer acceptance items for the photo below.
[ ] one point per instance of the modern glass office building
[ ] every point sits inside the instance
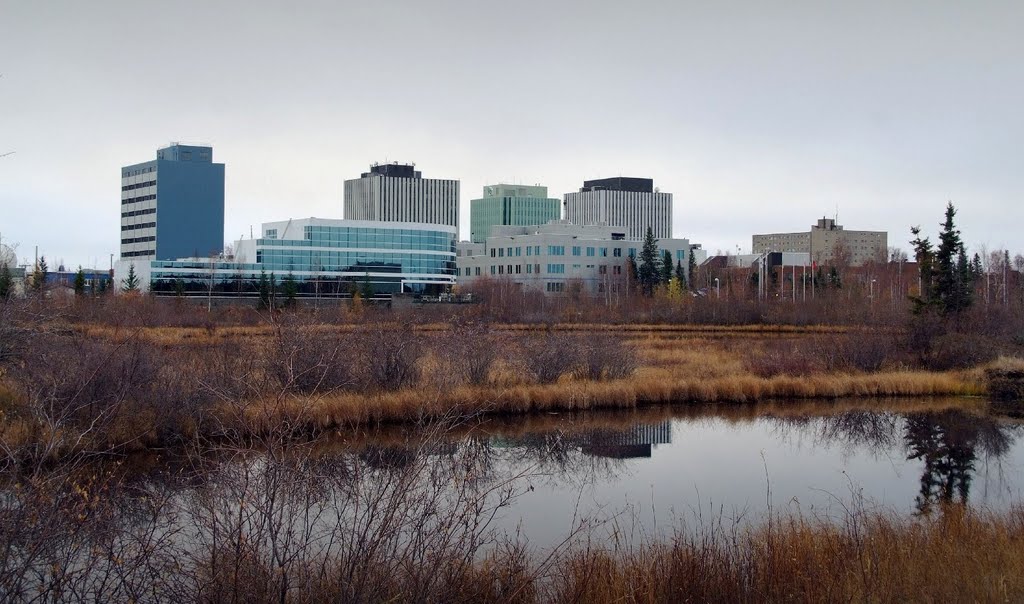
(510, 205)
(323, 257)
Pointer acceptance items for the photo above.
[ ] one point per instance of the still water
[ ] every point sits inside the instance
(637, 475)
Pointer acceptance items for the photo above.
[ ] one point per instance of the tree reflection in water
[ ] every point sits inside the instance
(949, 443)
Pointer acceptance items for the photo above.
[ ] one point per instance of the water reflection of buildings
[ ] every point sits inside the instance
(637, 441)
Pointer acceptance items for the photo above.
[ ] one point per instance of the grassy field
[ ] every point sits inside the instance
(147, 386)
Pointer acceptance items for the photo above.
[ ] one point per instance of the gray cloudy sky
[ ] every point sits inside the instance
(758, 116)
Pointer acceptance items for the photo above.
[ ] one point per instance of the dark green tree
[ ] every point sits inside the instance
(665, 273)
(80, 282)
(179, 288)
(681, 275)
(977, 269)
(924, 254)
(6, 281)
(39, 274)
(648, 271)
(131, 282)
(290, 288)
(954, 287)
(691, 268)
(366, 289)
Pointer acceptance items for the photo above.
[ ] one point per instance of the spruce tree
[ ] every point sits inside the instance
(131, 282)
(6, 281)
(80, 282)
(691, 268)
(264, 290)
(924, 255)
(681, 275)
(290, 289)
(666, 268)
(39, 274)
(953, 284)
(648, 270)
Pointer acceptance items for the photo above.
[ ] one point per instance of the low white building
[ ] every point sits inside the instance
(557, 256)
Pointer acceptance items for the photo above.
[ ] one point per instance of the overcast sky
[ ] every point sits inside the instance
(757, 118)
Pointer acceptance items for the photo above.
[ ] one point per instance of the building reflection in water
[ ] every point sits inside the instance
(634, 442)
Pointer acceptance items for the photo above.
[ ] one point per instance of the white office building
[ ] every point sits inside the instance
(399, 193)
(557, 256)
(633, 203)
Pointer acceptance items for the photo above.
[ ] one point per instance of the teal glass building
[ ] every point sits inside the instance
(323, 257)
(510, 205)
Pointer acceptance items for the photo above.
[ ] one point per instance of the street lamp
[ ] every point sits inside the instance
(871, 291)
(718, 289)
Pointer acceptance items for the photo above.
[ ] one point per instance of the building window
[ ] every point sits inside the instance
(604, 252)
(529, 250)
(519, 251)
(501, 269)
(556, 269)
(617, 252)
(492, 269)
(492, 252)
(590, 251)
(536, 250)
(603, 269)
(501, 252)
(529, 269)
(632, 252)
(617, 270)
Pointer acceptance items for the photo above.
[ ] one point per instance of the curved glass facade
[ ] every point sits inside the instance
(330, 259)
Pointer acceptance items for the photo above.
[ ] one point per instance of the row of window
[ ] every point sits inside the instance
(552, 269)
(138, 185)
(137, 254)
(559, 250)
(129, 200)
(135, 227)
(138, 213)
(138, 240)
(147, 170)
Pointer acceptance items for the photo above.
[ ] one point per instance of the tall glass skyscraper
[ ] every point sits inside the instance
(173, 206)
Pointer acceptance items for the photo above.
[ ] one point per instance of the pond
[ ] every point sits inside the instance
(362, 507)
(637, 474)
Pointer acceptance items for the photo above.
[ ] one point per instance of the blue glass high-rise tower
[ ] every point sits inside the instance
(173, 207)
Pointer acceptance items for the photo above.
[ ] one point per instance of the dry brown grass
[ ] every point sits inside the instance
(955, 556)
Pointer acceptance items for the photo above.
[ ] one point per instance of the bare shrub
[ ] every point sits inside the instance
(307, 358)
(959, 351)
(388, 356)
(607, 357)
(548, 356)
(468, 351)
(781, 357)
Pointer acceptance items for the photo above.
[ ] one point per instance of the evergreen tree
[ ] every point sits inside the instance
(39, 274)
(665, 273)
(80, 282)
(680, 275)
(691, 268)
(6, 281)
(953, 284)
(648, 271)
(103, 286)
(131, 282)
(977, 269)
(924, 254)
(366, 290)
(290, 288)
(179, 288)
